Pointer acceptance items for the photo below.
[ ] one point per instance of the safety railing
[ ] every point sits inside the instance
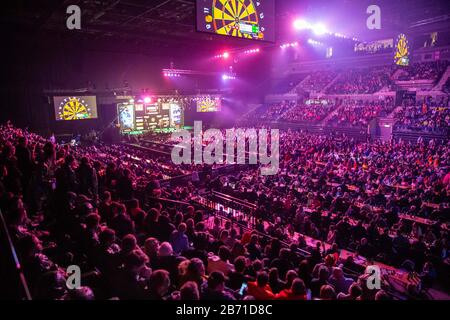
(13, 254)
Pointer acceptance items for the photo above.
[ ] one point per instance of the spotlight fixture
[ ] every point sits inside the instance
(301, 24)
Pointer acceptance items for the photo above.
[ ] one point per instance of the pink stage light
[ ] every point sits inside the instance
(225, 55)
(147, 99)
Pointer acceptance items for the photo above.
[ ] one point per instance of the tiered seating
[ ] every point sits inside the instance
(431, 115)
(288, 83)
(269, 111)
(361, 81)
(359, 113)
(309, 112)
(362, 197)
(318, 80)
(424, 71)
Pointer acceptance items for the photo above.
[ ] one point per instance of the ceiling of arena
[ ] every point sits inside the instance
(137, 24)
(149, 24)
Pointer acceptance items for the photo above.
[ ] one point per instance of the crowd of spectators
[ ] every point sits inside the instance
(318, 80)
(352, 195)
(423, 71)
(430, 115)
(310, 111)
(446, 86)
(72, 206)
(275, 110)
(357, 113)
(362, 81)
(268, 111)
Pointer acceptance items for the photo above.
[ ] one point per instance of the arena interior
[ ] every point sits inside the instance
(99, 95)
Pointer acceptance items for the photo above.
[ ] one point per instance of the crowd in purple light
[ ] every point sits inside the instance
(71, 205)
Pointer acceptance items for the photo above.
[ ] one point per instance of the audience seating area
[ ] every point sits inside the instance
(334, 204)
(423, 71)
(362, 81)
(317, 81)
(287, 83)
(360, 113)
(309, 112)
(427, 115)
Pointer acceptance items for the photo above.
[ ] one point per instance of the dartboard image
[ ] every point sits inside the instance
(207, 105)
(237, 18)
(401, 51)
(74, 109)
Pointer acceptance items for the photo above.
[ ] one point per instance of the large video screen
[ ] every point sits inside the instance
(402, 53)
(126, 116)
(75, 107)
(209, 104)
(250, 19)
(136, 118)
(175, 115)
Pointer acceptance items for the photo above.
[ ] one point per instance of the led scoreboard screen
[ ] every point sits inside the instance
(250, 19)
(139, 117)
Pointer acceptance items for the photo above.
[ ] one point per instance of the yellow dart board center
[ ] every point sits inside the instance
(74, 109)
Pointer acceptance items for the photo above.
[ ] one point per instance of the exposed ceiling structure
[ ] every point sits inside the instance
(146, 25)
(138, 24)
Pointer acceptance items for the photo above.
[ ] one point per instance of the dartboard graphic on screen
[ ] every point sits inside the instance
(75, 108)
(250, 19)
(208, 104)
(401, 57)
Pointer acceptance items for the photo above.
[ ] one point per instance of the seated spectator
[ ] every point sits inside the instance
(237, 277)
(82, 293)
(327, 293)
(297, 291)
(159, 285)
(189, 291)
(275, 283)
(195, 272)
(167, 260)
(215, 288)
(382, 295)
(179, 240)
(340, 283)
(317, 283)
(220, 262)
(131, 279)
(121, 222)
(354, 292)
(260, 289)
